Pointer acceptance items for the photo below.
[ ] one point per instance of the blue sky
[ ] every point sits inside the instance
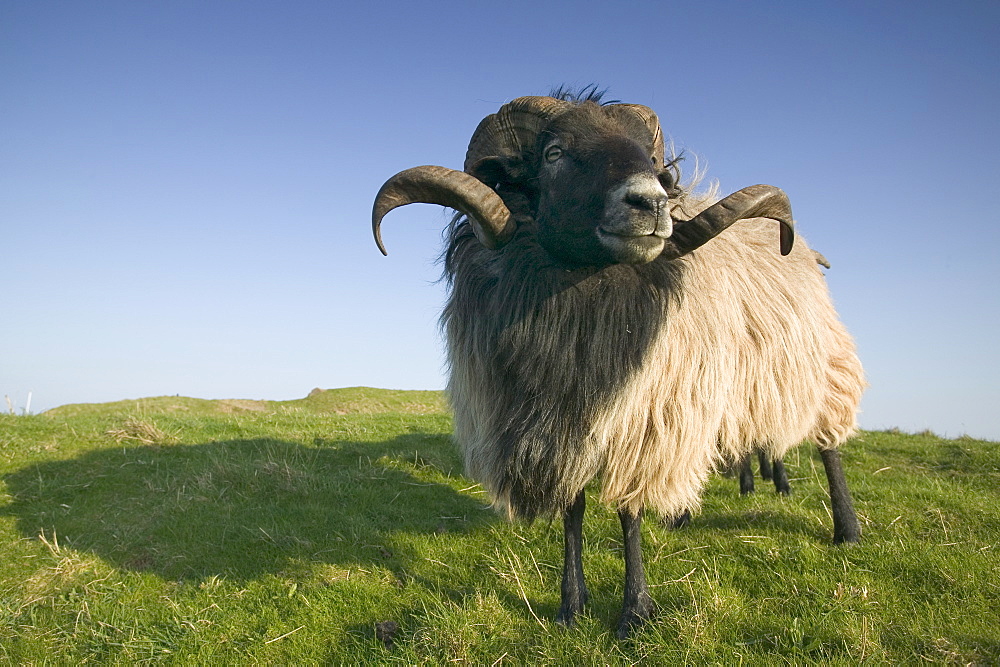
(185, 187)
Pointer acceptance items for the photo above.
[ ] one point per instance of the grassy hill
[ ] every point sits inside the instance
(349, 400)
(338, 528)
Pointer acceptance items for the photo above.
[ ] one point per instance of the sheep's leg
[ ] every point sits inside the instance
(746, 476)
(638, 604)
(574, 588)
(780, 477)
(845, 521)
(765, 465)
(679, 521)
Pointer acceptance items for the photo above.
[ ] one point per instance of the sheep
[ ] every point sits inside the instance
(603, 322)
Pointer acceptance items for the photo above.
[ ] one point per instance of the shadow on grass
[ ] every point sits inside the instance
(244, 508)
(756, 520)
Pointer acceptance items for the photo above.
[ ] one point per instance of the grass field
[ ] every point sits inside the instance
(339, 529)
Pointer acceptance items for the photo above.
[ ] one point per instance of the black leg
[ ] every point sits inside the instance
(780, 478)
(746, 476)
(845, 521)
(574, 588)
(765, 464)
(679, 521)
(638, 604)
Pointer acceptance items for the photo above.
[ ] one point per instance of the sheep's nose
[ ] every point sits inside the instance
(647, 200)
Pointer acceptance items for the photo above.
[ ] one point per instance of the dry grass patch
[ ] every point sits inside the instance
(237, 405)
(68, 570)
(135, 430)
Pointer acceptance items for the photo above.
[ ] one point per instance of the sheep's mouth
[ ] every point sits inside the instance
(630, 248)
(627, 223)
(658, 233)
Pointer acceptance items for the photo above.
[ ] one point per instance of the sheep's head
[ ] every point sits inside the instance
(591, 179)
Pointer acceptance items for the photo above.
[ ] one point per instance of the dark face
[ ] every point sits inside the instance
(599, 199)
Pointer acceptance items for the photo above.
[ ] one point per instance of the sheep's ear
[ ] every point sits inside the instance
(499, 169)
(668, 179)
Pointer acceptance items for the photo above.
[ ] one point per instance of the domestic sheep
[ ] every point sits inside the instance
(603, 322)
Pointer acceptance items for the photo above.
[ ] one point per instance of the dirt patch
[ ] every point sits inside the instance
(230, 405)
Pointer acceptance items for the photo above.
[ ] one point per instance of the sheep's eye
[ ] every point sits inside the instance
(553, 153)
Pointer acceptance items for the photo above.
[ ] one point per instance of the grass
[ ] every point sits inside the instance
(339, 529)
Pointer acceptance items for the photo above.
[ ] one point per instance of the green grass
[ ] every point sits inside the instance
(185, 531)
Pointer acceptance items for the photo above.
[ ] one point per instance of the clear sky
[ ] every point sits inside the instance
(185, 187)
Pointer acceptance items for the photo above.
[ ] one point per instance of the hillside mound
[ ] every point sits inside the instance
(348, 400)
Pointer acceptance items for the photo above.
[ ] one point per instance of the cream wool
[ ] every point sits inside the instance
(752, 353)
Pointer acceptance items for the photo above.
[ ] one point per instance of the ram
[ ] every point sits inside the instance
(605, 323)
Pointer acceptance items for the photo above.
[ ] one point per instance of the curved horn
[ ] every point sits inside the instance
(513, 129)
(650, 120)
(756, 201)
(491, 220)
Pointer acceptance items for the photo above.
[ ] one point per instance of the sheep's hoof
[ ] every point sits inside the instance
(570, 608)
(634, 616)
(567, 617)
(847, 538)
(846, 531)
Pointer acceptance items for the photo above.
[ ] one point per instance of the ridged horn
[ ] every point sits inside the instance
(491, 220)
(649, 118)
(756, 201)
(513, 129)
